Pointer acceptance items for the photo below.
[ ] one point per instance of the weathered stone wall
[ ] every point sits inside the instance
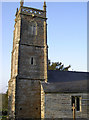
(58, 105)
(32, 46)
(26, 69)
(11, 97)
(26, 36)
(88, 104)
(28, 98)
(25, 96)
(15, 51)
(14, 69)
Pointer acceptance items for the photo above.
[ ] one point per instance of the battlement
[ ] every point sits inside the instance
(31, 11)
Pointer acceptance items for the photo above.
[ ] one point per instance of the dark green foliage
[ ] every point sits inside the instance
(4, 111)
(5, 101)
(57, 66)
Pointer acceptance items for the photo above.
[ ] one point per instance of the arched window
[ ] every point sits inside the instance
(33, 28)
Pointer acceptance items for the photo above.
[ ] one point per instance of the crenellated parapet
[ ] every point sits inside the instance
(32, 12)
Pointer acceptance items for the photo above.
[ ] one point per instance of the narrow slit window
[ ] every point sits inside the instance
(72, 101)
(34, 30)
(32, 61)
(31, 30)
(78, 103)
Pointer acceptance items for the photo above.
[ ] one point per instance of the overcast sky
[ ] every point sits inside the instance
(66, 34)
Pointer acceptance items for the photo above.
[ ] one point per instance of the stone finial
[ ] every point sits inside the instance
(21, 3)
(44, 6)
(44, 3)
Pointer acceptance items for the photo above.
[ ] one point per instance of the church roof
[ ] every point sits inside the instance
(66, 81)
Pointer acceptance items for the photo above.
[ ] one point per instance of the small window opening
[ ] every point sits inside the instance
(73, 101)
(32, 60)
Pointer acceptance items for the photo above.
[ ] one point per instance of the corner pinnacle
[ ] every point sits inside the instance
(21, 3)
(44, 3)
(44, 6)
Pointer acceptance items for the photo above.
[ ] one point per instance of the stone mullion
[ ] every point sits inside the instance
(80, 103)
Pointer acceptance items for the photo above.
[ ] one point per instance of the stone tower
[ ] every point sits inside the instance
(29, 62)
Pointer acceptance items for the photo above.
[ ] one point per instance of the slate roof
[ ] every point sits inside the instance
(67, 81)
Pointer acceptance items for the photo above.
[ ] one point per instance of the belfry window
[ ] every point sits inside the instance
(33, 28)
(76, 100)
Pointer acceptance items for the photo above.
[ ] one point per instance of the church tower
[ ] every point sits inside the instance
(29, 62)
